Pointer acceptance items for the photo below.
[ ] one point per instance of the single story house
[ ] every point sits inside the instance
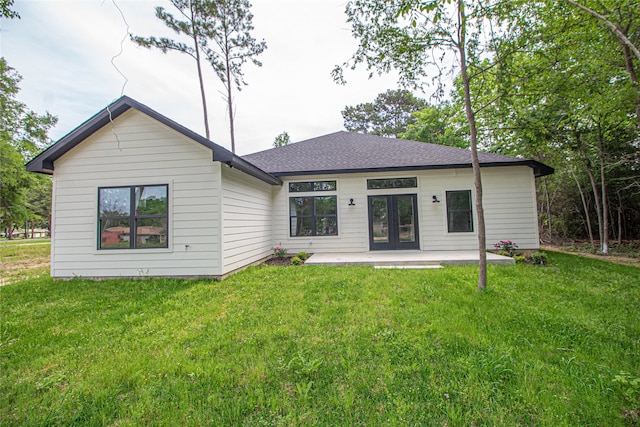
(135, 193)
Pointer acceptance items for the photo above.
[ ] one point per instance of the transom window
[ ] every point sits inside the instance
(300, 187)
(133, 217)
(459, 212)
(375, 184)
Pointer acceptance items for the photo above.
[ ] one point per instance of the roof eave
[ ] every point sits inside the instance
(44, 162)
(540, 169)
(242, 165)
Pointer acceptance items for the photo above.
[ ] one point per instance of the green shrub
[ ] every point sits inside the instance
(296, 260)
(520, 259)
(538, 258)
(303, 255)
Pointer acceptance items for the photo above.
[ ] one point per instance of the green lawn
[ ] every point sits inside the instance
(287, 346)
(23, 259)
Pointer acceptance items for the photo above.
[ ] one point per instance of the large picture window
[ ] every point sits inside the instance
(133, 217)
(313, 216)
(459, 213)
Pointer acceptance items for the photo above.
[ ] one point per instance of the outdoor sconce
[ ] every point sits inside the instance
(435, 199)
(351, 202)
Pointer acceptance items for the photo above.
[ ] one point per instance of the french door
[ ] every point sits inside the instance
(393, 222)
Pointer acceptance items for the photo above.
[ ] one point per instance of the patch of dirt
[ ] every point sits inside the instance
(279, 261)
(632, 416)
(27, 264)
(618, 259)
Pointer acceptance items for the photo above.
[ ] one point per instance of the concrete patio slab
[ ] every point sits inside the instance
(406, 258)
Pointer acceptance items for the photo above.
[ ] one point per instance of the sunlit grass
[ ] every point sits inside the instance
(327, 346)
(23, 259)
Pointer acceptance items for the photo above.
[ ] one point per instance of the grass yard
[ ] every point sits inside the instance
(23, 259)
(294, 346)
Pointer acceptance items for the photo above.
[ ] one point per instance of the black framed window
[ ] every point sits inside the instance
(133, 217)
(459, 212)
(313, 216)
(300, 187)
(375, 184)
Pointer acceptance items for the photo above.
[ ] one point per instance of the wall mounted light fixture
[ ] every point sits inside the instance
(351, 202)
(435, 199)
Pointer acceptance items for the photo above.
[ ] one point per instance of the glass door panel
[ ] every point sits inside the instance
(393, 222)
(406, 219)
(380, 219)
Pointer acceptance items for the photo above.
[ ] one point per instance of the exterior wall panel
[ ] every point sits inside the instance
(509, 203)
(246, 220)
(145, 152)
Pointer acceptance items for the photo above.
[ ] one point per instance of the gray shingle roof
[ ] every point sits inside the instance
(344, 152)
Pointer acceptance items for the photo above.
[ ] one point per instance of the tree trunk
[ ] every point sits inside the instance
(227, 54)
(604, 243)
(619, 218)
(230, 106)
(584, 206)
(594, 187)
(546, 196)
(200, 78)
(482, 240)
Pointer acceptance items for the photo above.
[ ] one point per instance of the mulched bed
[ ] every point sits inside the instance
(279, 261)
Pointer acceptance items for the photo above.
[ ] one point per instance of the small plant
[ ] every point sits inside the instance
(538, 258)
(520, 259)
(303, 255)
(296, 260)
(280, 252)
(507, 246)
(629, 385)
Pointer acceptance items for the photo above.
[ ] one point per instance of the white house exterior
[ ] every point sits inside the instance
(509, 203)
(136, 194)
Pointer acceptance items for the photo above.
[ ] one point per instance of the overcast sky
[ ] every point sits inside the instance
(64, 49)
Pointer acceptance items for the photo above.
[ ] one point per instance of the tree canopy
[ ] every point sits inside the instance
(388, 115)
(281, 140)
(438, 124)
(23, 133)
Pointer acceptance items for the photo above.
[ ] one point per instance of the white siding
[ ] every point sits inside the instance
(509, 207)
(509, 202)
(512, 213)
(144, 152)
(246, 219)
(352, 220)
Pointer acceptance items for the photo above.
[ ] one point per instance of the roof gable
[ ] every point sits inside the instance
(346, 152)
(44, 162)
